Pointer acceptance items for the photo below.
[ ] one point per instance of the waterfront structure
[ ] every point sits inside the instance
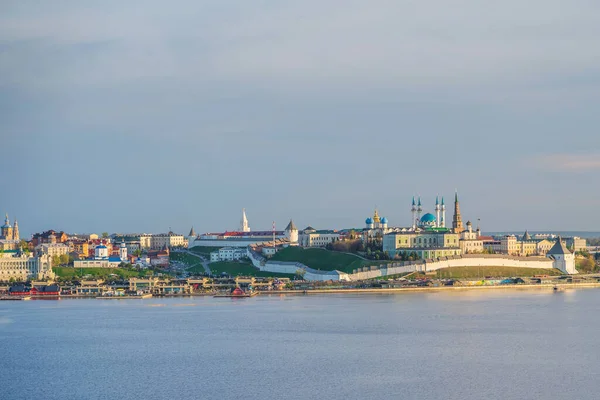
(21, 267)
(310, 237)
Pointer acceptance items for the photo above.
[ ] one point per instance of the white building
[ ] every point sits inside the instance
(22, 267)
(101, 252)
(52, 249)
(564, 260)
(311, 237)
(161, 240)
(228, 254)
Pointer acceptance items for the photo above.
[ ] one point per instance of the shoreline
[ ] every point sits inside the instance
(358, 291)
(438, 288)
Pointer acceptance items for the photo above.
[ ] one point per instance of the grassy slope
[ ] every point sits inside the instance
(71, 273)
(204, 251)
(236, 269)
(184, 258)
(322, 259)
(496, 272)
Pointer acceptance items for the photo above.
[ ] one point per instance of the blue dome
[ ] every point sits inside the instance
(384, 220)
(369, 221)
(428, 218)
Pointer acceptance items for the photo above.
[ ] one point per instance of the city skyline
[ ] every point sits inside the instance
(118, 117)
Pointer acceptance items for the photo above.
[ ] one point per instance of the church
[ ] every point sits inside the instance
(9, 235)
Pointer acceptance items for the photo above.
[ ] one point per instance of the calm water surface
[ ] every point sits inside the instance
(466, 345)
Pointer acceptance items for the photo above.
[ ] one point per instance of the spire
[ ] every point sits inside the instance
(291, 226)
(413, 203)
(457, 225)
(443, 200)
(192, 232)
(244, 223)
(437, 200)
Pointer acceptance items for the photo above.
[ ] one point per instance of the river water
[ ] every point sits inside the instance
(508, 344)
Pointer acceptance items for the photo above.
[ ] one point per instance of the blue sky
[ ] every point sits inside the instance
(142, 115)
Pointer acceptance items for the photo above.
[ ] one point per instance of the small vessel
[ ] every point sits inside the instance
(237, 292)
(557, 289)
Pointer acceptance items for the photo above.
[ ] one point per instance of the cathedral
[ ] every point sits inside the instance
(8, 232)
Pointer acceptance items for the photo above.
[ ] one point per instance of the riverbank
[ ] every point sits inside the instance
(431, 289)
(546, 286)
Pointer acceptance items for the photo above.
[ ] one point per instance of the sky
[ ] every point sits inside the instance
(145, 116)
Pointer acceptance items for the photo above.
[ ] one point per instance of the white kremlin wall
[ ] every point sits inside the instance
(394, 268)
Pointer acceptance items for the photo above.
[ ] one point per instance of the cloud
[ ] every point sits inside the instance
(569, 162)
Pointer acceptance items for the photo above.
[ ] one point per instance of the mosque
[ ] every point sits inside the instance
(428, 236)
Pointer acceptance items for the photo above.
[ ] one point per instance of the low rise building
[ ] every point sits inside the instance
(22, 267)
(52, 249)
(310, 237)
(228, 254)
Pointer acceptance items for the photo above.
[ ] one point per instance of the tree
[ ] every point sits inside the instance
(104, 235)
(137, 252)
(301, 272)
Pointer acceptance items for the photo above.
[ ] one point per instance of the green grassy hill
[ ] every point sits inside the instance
(100, 273)
(203, 250)
(235, 268)
(322, 259)
(184, 258)
(494, 272)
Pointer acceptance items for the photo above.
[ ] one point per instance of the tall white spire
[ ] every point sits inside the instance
(438, 222)
(443, 209)
(244, 223)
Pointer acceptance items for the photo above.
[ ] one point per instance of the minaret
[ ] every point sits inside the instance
(244, 223)
(443, 207)
(437, 212)
(16, 231)
(457, 225)
(414, 213)
(419, 209)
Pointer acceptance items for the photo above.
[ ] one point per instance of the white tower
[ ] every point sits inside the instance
(443, 208)
(438, 223)
(419, 209)
(562, 258)
(414, 213)
(123, 252)
(244, 223)
(291, 232)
